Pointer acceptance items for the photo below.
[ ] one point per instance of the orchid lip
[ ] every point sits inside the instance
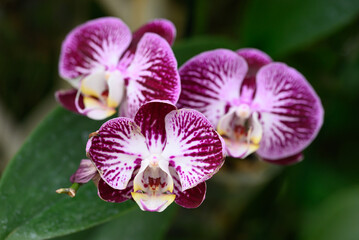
(241, 131)
(102, 93)
(153, 184)
(153, 203)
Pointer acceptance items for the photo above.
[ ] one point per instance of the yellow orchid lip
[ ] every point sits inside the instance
(153, 185)
(153, 202)
(88, 91)
(102, 93)
(95, 106)
(112, 103)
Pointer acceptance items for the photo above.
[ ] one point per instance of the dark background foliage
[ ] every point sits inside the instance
(315, 199)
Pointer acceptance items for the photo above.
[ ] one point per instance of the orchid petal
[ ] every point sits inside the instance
(117, 149)
(109, 194)
(163, 27)
(191, 198)
(194, 148)
(93, 45)
(85, 172)
(67, 99)
(151, 119)
(255, 59)
(288, 160)
(291, 112)
(210, 81)
(152, 74)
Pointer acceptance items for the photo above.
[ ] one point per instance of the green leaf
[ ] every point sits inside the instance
(132, 225)
(30, 208)
(278, 26)
(186, 49)
(336, 218)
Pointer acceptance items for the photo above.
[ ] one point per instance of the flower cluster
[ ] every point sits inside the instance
(229, 104)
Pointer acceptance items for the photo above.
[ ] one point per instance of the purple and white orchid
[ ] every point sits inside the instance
(256, 105)
(161, 156)
(111, 68)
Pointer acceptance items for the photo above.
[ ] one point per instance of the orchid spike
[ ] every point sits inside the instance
(256, 105)
(110, 68)
(161, 156)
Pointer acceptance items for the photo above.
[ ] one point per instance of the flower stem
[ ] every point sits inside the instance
(71, 191)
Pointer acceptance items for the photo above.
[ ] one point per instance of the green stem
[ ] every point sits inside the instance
(71, 191)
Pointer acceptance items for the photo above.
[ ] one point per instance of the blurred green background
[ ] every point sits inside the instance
(315, 199)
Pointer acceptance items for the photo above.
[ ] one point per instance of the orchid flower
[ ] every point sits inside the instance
(255, 104)
(161, 156)
(110, 68)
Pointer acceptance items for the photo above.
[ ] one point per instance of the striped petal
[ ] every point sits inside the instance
(117, 149)
(191, 198)
(162, 27)
(96, 44)
(211, 81)
(194, 148)
(151, 75)
(151, 119)
(109, 194)
(291, 112)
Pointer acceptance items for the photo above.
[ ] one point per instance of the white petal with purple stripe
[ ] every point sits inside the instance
(92, 46)
(290, 111)
(151, 119)
(117, 149)
(194, 148)
(191, 198)
(152, 74)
